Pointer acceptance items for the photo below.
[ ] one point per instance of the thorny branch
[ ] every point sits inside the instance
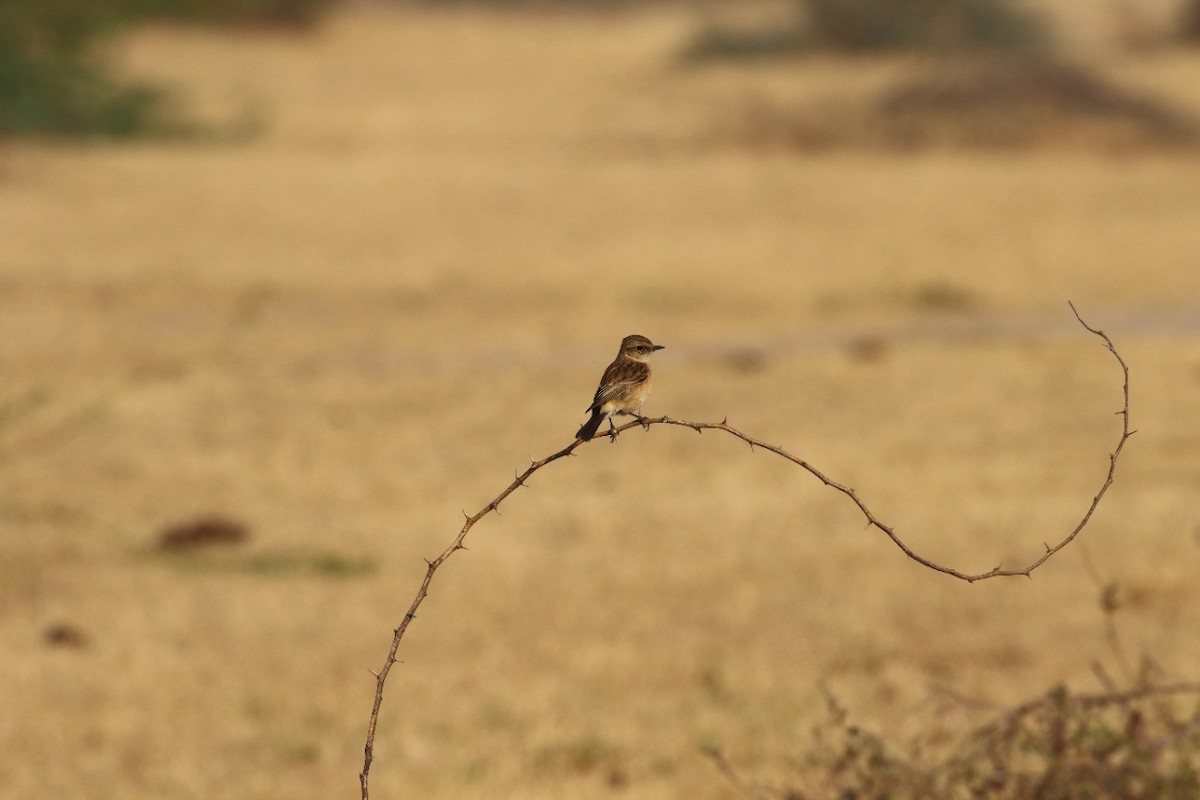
(872, 521)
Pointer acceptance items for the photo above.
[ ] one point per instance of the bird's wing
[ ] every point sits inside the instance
(617, 382)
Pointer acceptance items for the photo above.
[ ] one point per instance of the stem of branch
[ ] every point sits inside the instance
(872, 521)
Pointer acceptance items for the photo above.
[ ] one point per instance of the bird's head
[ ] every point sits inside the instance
(638, 347)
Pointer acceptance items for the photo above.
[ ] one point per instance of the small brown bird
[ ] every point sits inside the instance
(624, 387)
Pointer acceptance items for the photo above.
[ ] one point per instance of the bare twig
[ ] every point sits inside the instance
(646, 422)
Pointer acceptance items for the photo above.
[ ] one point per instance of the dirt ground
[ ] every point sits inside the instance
(344, 329)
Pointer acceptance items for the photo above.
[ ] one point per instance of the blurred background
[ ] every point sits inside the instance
(285, 286)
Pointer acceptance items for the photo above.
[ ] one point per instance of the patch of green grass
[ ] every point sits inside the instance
(940, 296)
(721, 44)
(327, 564)
(268, 564)
(585, 754)
(299, 750)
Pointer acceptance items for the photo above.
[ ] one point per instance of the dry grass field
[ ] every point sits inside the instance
(348, 327)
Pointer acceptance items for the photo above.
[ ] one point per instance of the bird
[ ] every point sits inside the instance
(624, 387)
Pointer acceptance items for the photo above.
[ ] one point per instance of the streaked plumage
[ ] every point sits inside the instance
(624, 387)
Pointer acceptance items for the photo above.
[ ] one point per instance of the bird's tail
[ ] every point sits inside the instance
(591, 426)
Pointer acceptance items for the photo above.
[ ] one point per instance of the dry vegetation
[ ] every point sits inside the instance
(297, 356)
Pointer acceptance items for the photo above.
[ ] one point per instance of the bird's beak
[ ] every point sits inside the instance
(658, 346)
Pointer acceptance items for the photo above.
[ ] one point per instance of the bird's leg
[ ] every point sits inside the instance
(612, 430)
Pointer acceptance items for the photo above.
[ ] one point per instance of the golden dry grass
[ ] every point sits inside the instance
(343, 331)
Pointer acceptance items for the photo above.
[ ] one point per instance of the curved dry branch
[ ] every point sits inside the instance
(430, 568)
(457, 544)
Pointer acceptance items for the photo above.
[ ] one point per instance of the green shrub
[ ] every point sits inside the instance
(54, 81)
(65, 93)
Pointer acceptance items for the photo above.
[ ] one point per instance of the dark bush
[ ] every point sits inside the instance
(877, 25)
(974, 102)
(1189, 22)
(924, 25)
(1141, 744)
